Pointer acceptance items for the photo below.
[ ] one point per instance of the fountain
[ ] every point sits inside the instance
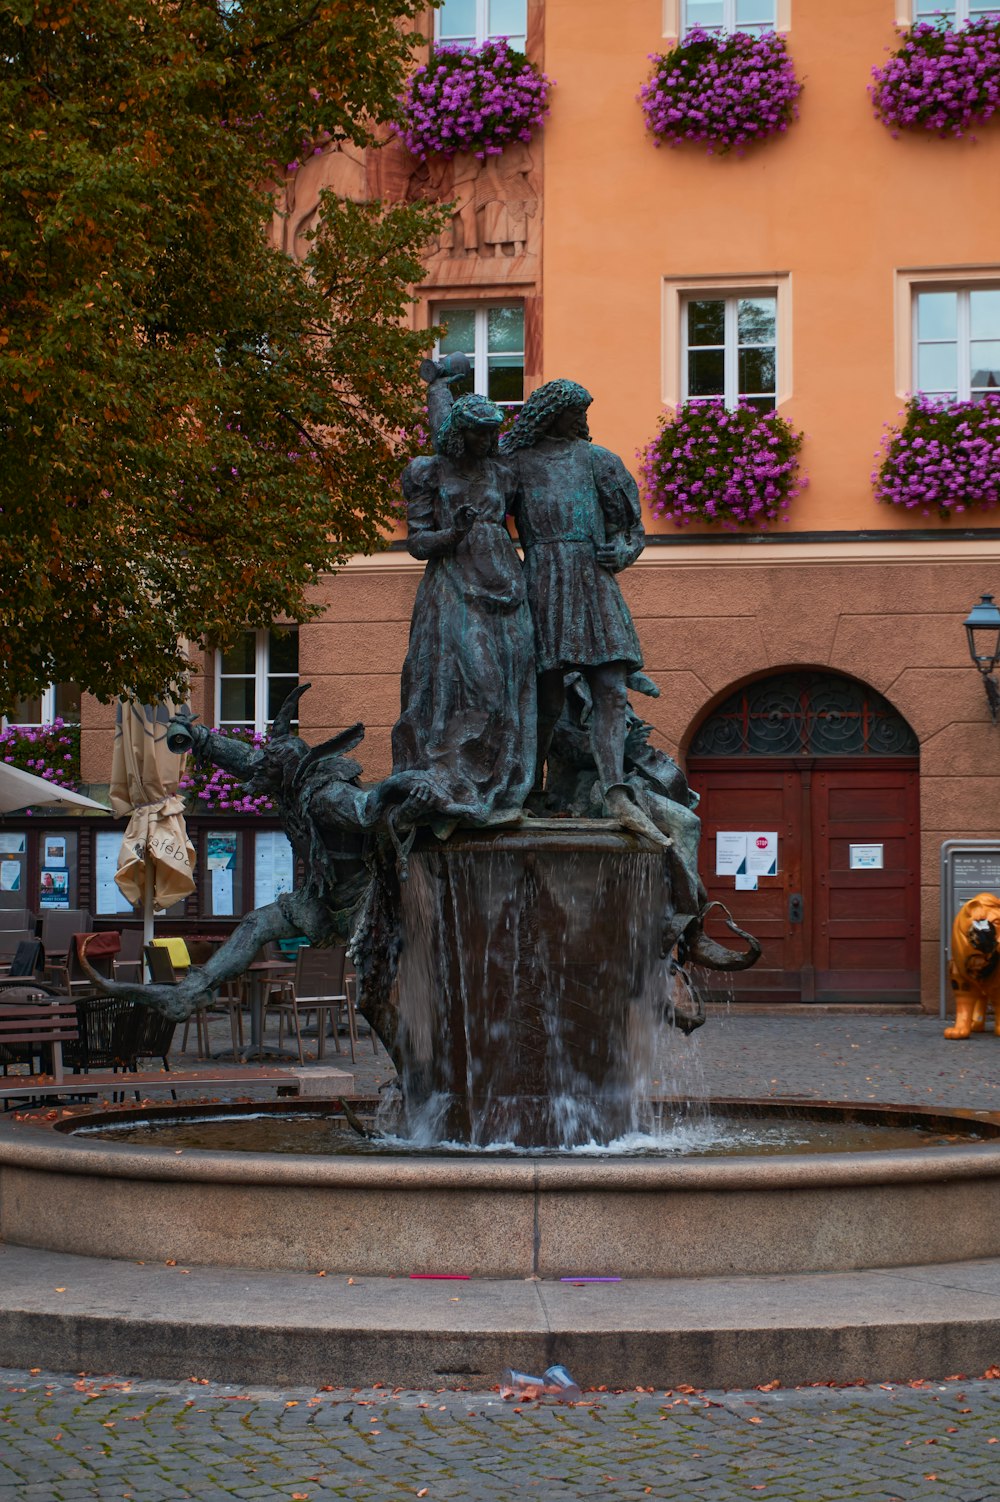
(518, 943)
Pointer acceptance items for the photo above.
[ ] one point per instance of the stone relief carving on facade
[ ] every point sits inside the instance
(495, 229)
(341, 168)
(496, 207)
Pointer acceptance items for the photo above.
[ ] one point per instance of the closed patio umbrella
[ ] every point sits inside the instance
(20, 789)
(156, 861)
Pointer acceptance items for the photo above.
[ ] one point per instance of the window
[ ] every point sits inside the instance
(956, 342)
(954, 13)
(493, 339)
(253, 679)
(469, 23)
(60, 701)
(730, 349)
(755, 16)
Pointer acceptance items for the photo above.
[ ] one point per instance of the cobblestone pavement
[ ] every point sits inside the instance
(895, 1060)
(898, 1060)
(66, 1440)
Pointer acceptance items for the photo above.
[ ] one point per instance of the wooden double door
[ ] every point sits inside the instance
(832, 929)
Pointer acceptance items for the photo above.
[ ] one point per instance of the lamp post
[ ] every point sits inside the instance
(982, 630)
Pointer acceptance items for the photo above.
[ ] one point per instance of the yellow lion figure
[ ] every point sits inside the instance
(974, 967)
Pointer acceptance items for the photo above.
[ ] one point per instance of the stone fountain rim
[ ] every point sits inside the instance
(38, 1145)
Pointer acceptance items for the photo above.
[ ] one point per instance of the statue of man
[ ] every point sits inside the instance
(579, 522)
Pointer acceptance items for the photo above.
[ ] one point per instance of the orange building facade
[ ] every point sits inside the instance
(814, 678)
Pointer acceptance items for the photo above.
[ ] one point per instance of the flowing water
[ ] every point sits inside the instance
(726, 1132)
(531, 993)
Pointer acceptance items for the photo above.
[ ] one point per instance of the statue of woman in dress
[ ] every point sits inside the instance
(468, 708)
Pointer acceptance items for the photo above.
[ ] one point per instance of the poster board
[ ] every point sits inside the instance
(274, 866)
(13, 871)
(968, 867)
(221, 857)
(107, 894)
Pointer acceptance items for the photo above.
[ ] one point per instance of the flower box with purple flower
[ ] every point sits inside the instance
(211, 790)
(473, 99)
(943, 79)
(727, 90)
(51, 752)
(944, 460)
(713, 465)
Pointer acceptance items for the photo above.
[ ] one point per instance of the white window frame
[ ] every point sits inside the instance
(962, 340)
(674, 17)
(906, 13)
(909, 282)
(679, 291)
(480, 354)
(483, 33)
(48, 713)
(261, 676)
(730, 348)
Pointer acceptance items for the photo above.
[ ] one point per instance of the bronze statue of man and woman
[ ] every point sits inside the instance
(514, 695)
(493, 641)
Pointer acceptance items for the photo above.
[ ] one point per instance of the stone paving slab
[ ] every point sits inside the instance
(94, 1439)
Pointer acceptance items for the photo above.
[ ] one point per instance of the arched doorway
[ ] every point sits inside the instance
(832, 768)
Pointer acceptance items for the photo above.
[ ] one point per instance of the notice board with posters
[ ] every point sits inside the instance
(968, 867)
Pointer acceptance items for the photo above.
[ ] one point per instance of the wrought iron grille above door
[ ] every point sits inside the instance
(805, 714)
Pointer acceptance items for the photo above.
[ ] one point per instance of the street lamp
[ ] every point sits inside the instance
(982, 628)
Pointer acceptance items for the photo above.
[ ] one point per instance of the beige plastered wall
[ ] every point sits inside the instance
(837, 210)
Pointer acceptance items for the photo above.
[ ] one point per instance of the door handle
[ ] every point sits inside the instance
(795, 908)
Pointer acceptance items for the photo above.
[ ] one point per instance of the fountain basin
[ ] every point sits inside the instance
(508, 1218)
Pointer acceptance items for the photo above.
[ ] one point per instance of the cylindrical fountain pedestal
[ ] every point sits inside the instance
(530, 982)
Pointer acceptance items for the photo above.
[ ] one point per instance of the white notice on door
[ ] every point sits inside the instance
(730, 852)
(762, 853)
(867, 857)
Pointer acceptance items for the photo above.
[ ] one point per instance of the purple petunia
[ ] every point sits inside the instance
(472, 99)
(943, 79)
(710, 464)
(728, 90)
(944, 459)
(219, 791)
(51, 752)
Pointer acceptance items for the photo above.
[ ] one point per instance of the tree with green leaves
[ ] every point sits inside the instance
(195, 426)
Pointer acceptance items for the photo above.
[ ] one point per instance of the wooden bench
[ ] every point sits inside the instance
(42, 1087)
(43, 1023)
(49, 1023)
